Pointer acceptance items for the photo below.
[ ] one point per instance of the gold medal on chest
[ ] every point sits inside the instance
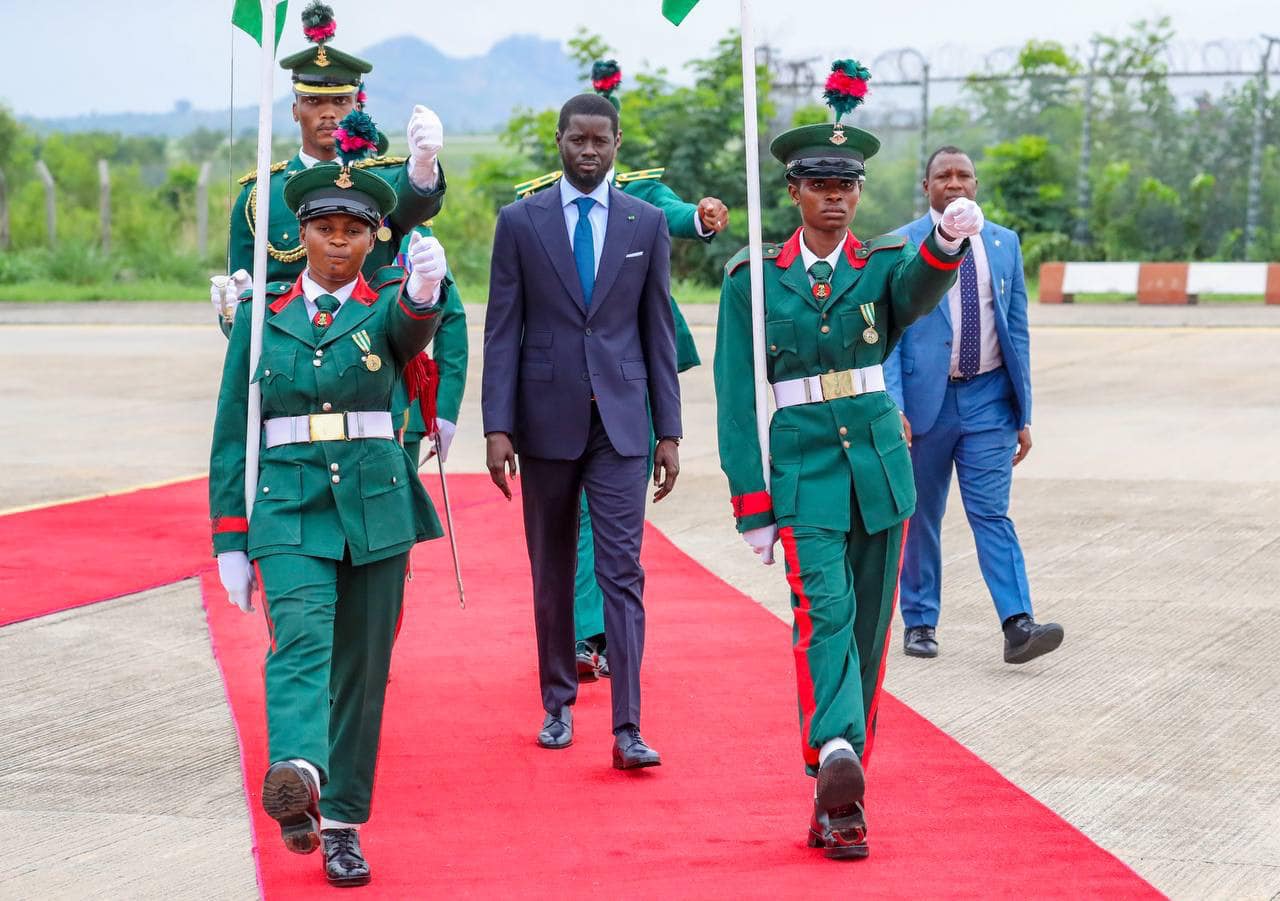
(371, 360)
(870, 335)
(384, 234)
(821, 290)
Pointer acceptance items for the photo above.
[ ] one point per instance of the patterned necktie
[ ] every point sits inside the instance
(325, 305)
(970, 319)
(820, 272)
(584, 249)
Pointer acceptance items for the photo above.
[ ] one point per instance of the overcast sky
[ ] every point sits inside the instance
(73, 56)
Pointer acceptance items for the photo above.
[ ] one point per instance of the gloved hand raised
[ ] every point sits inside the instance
(426, 140)
(962, 218)
(225, 291)
(427, 268)
(236, 573)
(762, 541)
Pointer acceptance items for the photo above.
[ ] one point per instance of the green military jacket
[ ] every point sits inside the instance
(449, 350)
(821, 453)
(325, 498)
(681, 223)
(286, 257)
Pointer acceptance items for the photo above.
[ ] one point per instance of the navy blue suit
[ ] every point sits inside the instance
(575, 386)
(971, 426)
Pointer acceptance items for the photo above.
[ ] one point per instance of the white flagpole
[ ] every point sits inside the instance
(755, 237)
(253, 424)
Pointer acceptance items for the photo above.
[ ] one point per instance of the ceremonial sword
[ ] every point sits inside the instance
(448, 517)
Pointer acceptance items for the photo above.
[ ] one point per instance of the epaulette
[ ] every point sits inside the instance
(534, 185)
(376, 161)
(273, 288)
(743, 256)
(387, 275)
(623, 178)
(884, 242)
(252, 175)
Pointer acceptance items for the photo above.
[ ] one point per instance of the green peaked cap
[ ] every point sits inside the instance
(328, 188)
(323, 69)
(829, 150)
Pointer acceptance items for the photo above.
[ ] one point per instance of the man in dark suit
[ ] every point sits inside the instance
(962, 377)
(579, 359)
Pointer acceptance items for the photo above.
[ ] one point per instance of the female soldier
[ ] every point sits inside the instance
(841, 485)
(337, 506)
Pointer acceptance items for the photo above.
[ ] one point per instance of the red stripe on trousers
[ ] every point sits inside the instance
(884, 654)
(804, 629)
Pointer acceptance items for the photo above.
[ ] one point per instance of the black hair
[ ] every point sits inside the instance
(945, 148)
(587, 105)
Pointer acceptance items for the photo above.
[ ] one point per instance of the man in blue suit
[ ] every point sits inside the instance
(962, 377)
(579, 351)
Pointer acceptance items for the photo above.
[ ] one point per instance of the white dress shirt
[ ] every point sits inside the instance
(311, 290)
(989, 342)
(598, 217)
(809, 257)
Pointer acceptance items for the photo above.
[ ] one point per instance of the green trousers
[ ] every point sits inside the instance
(588, 599)
(843, 589)
(332, 627)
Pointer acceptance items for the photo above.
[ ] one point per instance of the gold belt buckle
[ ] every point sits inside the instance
(328, 426)
(836, 384)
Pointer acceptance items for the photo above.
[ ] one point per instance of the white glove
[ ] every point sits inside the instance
(762, 541)
(962, 218)
(241, 282)
(446, 430)
(218, 287)
(427, 268)
(225, 291)
(426, 139)
(236, 574)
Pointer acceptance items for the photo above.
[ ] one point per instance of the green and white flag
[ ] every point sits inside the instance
(247, 16)
(675, 10)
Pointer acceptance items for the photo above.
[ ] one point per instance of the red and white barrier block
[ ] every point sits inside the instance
(1159, 283)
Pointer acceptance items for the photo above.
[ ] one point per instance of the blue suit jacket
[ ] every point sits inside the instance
(546, 355)
(915, 373)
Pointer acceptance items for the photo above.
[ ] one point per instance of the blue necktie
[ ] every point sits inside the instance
(584, 249)
(970, 319)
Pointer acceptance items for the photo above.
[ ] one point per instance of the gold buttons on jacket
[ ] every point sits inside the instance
(333, 467)
(845, 443)
(326, 407)
(266, 489)
(266, 372)
(844, 430)
(336, 479)
(315, 362)
(773, 347)
(319, 352)
(825, 329)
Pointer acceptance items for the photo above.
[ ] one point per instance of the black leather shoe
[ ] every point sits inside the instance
(557, 729)
(344, 863)
(291, 797)
(920, 641)
(588, 662)
(839, 824)
(1025, 639)
(630, 751)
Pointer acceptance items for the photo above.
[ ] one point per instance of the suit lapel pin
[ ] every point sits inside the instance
(997, 242)
(631, 218)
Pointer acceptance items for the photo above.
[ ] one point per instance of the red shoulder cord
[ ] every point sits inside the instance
(422, 379)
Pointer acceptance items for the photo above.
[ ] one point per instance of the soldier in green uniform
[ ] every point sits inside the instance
(327, 87)
(841, 486)
(701, 222)
(337, 504)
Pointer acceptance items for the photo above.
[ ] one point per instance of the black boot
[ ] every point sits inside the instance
(344, 863)
(1025, 639)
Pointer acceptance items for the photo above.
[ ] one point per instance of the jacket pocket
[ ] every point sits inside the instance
(536, 370)
(275, 378)
(633, 370)
(890, 442)
(538, 338)
(780, 337)
(277, 508)
(785, 457)
(387, 500)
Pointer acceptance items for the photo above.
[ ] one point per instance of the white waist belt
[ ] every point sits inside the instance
(828, 386)
(328, 427)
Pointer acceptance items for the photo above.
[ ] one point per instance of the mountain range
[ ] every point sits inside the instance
(471, 94)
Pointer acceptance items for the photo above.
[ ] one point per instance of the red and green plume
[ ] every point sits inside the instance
(356, 137)
(605, 78)
(318, 23)
(846, 86)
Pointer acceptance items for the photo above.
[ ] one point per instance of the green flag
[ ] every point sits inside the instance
(247, 16)
(676, 10)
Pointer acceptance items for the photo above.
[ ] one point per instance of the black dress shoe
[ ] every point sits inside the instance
(291, 797)
(588, 662)
(630, 751)
(1025, 639)
(920, 641)
(344, 863)
(557, 729)
(839, 824)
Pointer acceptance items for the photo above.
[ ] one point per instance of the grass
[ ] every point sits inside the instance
(49, 291)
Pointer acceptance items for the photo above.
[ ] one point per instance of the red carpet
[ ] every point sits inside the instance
(466, 804)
